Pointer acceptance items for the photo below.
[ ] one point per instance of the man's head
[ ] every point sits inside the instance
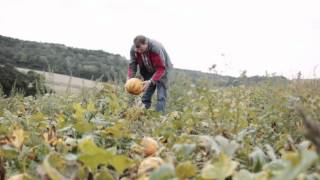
(140, 43)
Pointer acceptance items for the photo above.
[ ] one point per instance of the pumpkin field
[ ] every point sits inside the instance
(240, 133)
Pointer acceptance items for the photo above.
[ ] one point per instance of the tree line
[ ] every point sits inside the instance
(98, 64)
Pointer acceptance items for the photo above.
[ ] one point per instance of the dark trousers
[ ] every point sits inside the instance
(161, 96)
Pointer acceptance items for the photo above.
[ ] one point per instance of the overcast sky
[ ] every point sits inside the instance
(281, 36)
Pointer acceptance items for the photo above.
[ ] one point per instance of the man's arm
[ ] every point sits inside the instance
(132, 68)
(159, 64)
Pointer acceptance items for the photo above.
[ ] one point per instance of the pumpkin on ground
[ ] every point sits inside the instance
(149, 164)
(20, 177)
(134, 86)
(150, 146)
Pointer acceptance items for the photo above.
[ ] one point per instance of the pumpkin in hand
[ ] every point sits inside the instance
(134, 86)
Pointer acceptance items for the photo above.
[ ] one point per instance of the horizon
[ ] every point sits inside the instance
(282, 37)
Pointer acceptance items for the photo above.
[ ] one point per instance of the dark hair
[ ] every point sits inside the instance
(139, 40)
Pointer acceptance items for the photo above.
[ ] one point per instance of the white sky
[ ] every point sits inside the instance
(281, 36)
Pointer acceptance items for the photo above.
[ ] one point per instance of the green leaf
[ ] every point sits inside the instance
(246, 175)
(118, 130)
(82, 173)
(79, 111)
(59, 168)
(165, 172)
(38, 116)
(83, 126)
(226, 146)
(3, 130)
(297, 163)
(275, 165)
(120, 163)
(112, 150)
(19, 137)
(258, 159)
(220, 169)
(103, 175)
(91, 155)
(243, 175)
(8, 152)
(93, 160)
(184, 150)
(185, 170)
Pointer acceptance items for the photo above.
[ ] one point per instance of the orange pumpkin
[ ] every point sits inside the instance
(134, 86)
(20, 177)
(150, 146)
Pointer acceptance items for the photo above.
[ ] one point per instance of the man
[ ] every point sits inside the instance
(154, 66)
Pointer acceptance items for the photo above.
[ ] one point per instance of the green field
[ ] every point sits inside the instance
(244, 132)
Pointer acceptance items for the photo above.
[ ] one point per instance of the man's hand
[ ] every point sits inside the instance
(146, 84)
